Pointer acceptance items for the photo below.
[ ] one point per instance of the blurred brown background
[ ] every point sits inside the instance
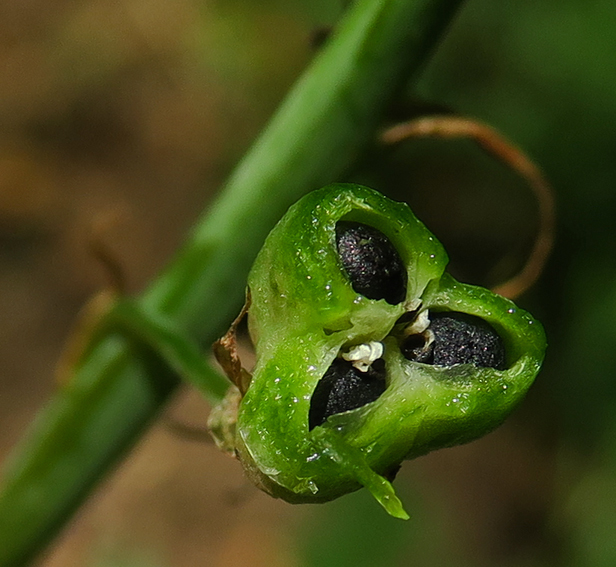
(129, 114)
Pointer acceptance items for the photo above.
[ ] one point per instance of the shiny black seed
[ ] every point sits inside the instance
(343, 388)
(459, 338)
(371, 261)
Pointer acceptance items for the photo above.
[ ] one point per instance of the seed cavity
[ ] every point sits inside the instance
(344, 387)
(456, 338)
(371, 262)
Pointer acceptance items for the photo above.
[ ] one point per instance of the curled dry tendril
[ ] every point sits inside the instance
(496, 145)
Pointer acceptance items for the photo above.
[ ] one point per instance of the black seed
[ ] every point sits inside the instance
(371, 262)
(343, 388)
(459, 338)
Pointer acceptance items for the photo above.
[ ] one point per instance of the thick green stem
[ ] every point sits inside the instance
(327, 118)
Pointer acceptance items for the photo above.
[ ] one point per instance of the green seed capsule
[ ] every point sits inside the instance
(367, 352)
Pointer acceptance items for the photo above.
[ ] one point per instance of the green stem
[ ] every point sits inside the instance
(327, 118)
(178, 351)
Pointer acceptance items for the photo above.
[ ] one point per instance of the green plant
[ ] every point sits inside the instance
(367, 352)
(120, 382)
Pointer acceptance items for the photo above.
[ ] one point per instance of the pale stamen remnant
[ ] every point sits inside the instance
(362, 356)
(419, 324)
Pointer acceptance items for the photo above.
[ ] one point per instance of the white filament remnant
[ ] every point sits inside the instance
(362, 356)
(419, 325)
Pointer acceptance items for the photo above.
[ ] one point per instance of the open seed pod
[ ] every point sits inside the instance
(367, 352)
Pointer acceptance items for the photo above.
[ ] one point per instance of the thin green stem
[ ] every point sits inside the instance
(119, 388)
(169, 342)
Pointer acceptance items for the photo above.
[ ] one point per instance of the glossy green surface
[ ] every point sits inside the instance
(327, 118)
(304, 313)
